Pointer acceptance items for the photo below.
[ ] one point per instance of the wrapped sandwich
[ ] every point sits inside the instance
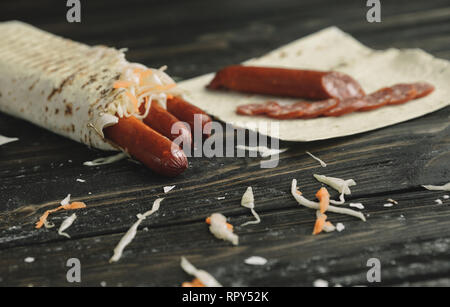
(93, 95)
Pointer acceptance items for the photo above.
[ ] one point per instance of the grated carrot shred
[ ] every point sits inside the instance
(73, 206)
(122, 84)
(324, 199)
(144, 74)
(320, 223)
(194, 283)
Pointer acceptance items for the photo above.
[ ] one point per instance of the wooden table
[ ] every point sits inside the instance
(411, 239)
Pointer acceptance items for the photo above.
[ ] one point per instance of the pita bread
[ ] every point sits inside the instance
(63, 86)
(332, 49)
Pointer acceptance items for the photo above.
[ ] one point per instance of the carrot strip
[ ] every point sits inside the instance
(144, 75)
(320, 223)
(324, 199)
(122, 84)
(194, 283)
(73, 206)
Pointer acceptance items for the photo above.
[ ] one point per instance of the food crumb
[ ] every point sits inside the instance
(340, 227)
(29, 259)
(168, 188)
(357, 205)
(255, 260)
(320, 283)
(103, 284)
(388, 205)
(438, 201)
(221, 198)
(81, 180)
(392, 201)
(446, 197)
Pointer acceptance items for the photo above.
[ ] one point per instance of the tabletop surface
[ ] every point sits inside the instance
(411, 239)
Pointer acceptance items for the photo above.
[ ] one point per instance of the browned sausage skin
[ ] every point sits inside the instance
(148, 146)
(310, 84)
(164, 122)
(189, 113)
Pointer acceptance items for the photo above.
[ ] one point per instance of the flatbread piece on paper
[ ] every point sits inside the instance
(332, 49)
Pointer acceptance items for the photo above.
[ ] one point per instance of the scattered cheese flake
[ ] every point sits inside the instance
(131, 233)
(81, 180)
(5, 140)
(445, 187)
(48, 224)
(204, 277)
(388, 205)
(263, 150)
(392, 201)
(169, 188)
(323, 164)
(248, 201)
(29, 259)
(340, 227)
(446, 197)
(438, 201)
(221, 229)
(320, 283)
(221, 198)
(106, 160)
(357, 205)
(255, 260)
(103, 284)
(65, 201)
(314, 205)
(66, 224)
(340, 185)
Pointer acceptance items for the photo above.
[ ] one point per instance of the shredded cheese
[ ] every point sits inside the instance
(5, 140)
(340, 185)
(320, 283)
(168, 188)
(131, 233)
(357, 205)
(438, 201)
(314, 205)
(255, 260)
(204, 277)
(221, 229)
(106, 160)
(248, 201)
(141, 86)
(66, 224)
(445, 187)
(323, 164)
(340, 227)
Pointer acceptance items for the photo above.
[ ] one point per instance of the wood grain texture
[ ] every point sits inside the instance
(411, 239)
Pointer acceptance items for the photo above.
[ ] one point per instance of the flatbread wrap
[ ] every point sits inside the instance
(92, 95)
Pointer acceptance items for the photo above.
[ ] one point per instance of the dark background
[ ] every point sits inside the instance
(197, 37)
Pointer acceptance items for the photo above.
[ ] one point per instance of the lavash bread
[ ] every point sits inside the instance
(59, 84)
